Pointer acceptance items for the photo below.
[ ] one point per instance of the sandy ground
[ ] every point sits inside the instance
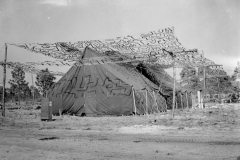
(204, 134)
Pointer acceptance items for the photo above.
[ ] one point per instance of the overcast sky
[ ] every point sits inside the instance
(209, 25)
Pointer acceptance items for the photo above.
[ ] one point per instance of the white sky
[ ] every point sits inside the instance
(209, 25)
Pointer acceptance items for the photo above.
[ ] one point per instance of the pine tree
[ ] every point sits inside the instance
(44, 81)
(18, 85)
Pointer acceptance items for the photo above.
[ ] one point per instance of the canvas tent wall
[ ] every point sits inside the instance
(105, 89)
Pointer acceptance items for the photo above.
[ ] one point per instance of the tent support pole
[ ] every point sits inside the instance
(181, 100)
(204, 79)
(193, 100)
(146, 103)
(176, 102)
(134, 103)
(218, 79)
(187, 99)
(155, 101)
(204, 84)
(33, 86)
(4, 81)
(165, 110)
(174, 88)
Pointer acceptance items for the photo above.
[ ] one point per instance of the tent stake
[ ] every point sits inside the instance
(4, 80)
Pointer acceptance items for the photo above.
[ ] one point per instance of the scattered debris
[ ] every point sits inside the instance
(38, 107)
(103, 139)
(181, 128)
(169, 154)
(49, 138)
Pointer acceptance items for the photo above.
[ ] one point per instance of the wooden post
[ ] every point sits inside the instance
(176, 102)
(200, 99)
(219, 89)
(174, 88)
(198, 96)
(146, 103)
(134, 103)
(155, 101)
(204, 80)
(174, 82)
(204, 85)
(4, 81)
(193, 99)
(204, 76)
(181, 100)
(33, 86)
(187, 99)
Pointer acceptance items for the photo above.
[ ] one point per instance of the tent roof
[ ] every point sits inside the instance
(124, 71)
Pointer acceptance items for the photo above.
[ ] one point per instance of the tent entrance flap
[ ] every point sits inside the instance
(57, 105)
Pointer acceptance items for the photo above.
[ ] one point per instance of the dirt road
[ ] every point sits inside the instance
(212, 133)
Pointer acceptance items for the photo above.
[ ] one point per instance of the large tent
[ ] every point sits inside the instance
(105, 89)
(159, 48)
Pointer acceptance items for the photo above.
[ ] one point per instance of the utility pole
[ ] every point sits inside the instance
(4, 80)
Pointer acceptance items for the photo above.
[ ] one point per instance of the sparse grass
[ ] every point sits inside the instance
(220, 116)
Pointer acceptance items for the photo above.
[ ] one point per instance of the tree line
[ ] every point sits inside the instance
(20, 90)
(190, 78)
(193, 79)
